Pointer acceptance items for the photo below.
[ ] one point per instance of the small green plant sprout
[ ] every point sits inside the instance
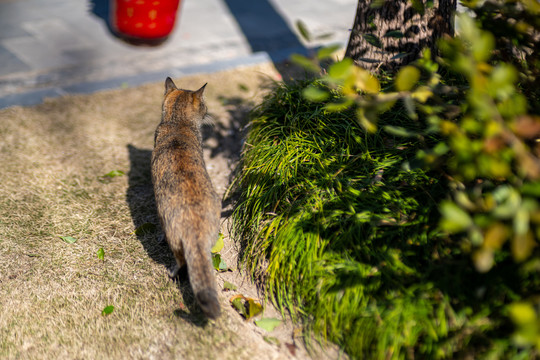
(69, 239)
(107, 310)
(101, 254)
(247, 307)
(218, 246)
(218, 263)
(268, 324)
(228, 286)
(110, 175)
(114, 173)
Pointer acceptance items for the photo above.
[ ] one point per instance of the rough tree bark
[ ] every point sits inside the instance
(388, 34)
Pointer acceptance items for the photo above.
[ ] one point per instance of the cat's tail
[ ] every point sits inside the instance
(202, 278)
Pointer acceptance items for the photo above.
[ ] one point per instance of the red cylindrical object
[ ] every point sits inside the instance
(144, 22)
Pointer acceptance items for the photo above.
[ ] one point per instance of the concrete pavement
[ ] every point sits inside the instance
(50, 48)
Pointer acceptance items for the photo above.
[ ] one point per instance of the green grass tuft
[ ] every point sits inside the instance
(342, 230)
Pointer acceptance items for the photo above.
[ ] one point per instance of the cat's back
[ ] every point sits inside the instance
(178, 168)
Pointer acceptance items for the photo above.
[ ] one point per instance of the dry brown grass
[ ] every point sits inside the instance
(53, 157)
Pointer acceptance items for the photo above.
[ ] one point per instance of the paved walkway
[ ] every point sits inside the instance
(50, 48)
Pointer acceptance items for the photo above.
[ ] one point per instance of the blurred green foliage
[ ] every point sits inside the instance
(487, 121)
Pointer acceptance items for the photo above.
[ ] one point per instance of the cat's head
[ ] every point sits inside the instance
(185, 103)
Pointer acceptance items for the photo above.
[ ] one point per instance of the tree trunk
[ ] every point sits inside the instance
(388, 34)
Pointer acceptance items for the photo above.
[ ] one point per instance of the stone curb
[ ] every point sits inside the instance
(37, 96)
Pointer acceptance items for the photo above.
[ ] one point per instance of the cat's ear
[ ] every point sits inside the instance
(169, 86)
(200, 92)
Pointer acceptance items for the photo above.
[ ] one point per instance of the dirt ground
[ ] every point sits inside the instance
(54, 159)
